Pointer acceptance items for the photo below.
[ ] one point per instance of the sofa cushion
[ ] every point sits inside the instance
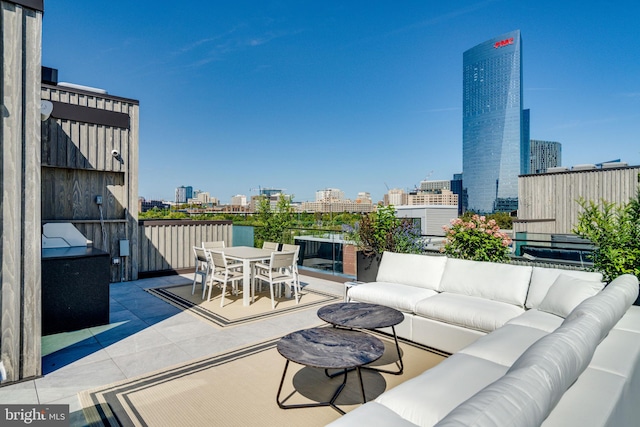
(537, 319)
(609, 305)
(372, 414)
(467, 311)
(566, 293)
(505, 344)
(596, 399)
(630, 321)
(542, 278)
(400, 297)
(618, 353)
(490, 280)
(427, 398)
(423, 271)
(535, 383)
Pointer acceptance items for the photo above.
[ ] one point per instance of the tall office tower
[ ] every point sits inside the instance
(545, 155)
(494, 148)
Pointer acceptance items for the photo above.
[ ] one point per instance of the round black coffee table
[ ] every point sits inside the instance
(329, 348)
(360, 315)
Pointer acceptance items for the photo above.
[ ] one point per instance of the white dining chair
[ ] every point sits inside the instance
(213, 245)
(286, 247)
(272, 246)
(279, 271)
(222, 274)
(203, 269)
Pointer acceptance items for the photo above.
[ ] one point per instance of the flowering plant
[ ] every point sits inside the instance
(477, 239)
(381, 231)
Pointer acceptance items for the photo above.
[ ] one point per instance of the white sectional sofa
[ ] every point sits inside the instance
(531, 346)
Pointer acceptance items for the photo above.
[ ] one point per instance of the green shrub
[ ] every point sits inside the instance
(615, 231)
(476, 239)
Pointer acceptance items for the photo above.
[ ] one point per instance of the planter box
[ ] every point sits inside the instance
(367, 267)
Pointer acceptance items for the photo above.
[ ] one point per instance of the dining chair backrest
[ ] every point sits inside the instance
(218, 259)
(218, 244)
(282, 260)
(286, 247)
(272, 246)
(200, 254)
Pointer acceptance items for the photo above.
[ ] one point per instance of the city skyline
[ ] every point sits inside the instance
(329, 95)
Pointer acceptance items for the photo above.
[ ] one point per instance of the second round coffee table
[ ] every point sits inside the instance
(360, 315)
(328, 348)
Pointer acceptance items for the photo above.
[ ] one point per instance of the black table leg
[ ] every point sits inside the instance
(399, 362)
(318, 404)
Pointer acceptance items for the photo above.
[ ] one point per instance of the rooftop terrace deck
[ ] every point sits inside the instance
(145, 334)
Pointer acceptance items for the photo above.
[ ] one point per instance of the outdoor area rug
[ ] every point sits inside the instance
(239, 388)
(234, 313)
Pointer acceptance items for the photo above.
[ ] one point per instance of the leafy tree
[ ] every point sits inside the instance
(271, 224)
(615, 231)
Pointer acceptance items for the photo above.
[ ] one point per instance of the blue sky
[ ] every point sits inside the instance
(356, 95)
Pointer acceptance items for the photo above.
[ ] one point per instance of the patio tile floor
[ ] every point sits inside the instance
(145, 334)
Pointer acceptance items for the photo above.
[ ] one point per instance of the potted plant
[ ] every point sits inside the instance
(381, 231)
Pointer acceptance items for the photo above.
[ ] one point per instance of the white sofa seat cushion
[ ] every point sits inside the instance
(505, 344)
(630, 321)
(490, 280)
(372, 414)
(595, 399)
(537, 319)
(542, 278)
(619, 353)
(566, 293)
(423, 271)
(394, 295)
(427, 398)
(467, 311)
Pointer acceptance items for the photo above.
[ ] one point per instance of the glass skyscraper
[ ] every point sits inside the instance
(495, 140)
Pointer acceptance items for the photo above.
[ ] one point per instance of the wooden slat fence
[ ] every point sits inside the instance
(166, 245)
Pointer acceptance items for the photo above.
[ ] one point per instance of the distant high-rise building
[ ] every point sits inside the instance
(545, 155)
(495, 149)
(239, 200)
(269, 192)
(329, 194)
(435, 186)
(457, 188)
(396, 197)
(183, 194)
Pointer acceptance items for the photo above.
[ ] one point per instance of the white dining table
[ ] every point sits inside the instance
(246, 254)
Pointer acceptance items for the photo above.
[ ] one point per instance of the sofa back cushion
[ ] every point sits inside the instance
(566, 293)
(423, 271)
(498, 282)
(534, 384)
(542, 278)
(608, 306)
